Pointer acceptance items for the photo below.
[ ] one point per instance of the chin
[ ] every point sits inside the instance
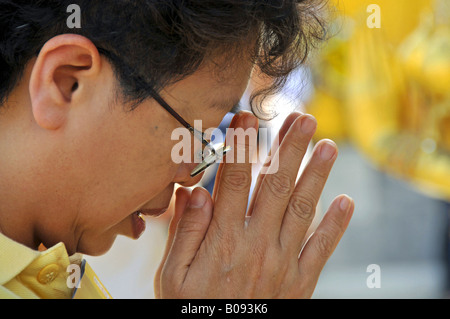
(97, 247)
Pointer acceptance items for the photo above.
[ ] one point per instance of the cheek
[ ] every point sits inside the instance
(124, 176)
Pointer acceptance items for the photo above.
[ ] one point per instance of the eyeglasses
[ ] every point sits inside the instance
(210, 154)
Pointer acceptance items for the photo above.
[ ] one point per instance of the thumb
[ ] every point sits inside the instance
(190, 232)
(177, 207)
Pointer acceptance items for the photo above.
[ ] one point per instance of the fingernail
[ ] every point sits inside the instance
(327, 151)
(198, 199)
(345, 203)
(308, 125)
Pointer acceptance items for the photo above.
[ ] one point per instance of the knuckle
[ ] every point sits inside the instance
(320, 174)
(297, 148)
(259, 254)
(224, 242)
(238, 180)
(336, 225)
(324, 244)
(190, 226)
(280, 184)
(303, 208)
(265, 259)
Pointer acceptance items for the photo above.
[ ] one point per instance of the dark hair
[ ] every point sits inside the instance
(154, 43)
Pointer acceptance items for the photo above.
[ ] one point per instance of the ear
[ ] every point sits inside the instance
(65, 66)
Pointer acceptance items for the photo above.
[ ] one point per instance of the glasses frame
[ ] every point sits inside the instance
(215, 153)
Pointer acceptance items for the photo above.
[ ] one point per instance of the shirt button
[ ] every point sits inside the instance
(48, 274)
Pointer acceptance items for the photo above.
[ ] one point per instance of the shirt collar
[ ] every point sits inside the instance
(14, 258)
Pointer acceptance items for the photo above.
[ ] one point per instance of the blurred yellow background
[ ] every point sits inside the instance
(382, 81)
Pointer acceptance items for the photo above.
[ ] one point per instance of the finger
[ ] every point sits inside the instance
(303, 202)
(190, 232)
(219, 170)
(278, 185)
(235, 180)
(182, 197)
(178, 205)
(324, 240)
(278, 140)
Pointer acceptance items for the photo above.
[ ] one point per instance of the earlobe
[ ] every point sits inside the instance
(64, 65)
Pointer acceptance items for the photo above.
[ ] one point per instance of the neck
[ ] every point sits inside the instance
(16, 192)
(31, 203)
(16, 222)
(16, 211)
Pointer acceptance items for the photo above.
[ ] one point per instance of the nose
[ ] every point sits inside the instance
(162, 200)
(183, 176)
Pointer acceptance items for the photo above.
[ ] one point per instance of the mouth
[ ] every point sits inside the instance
(152, 212)
(139, 223)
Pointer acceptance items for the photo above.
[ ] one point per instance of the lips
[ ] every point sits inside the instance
(139, 223)
(153, 212)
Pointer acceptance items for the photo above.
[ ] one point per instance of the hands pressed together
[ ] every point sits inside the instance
(213, 253)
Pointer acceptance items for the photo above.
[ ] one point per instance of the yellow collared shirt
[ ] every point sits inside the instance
(30, 274)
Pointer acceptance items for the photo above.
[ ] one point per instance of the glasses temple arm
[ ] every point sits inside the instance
(167, 107)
